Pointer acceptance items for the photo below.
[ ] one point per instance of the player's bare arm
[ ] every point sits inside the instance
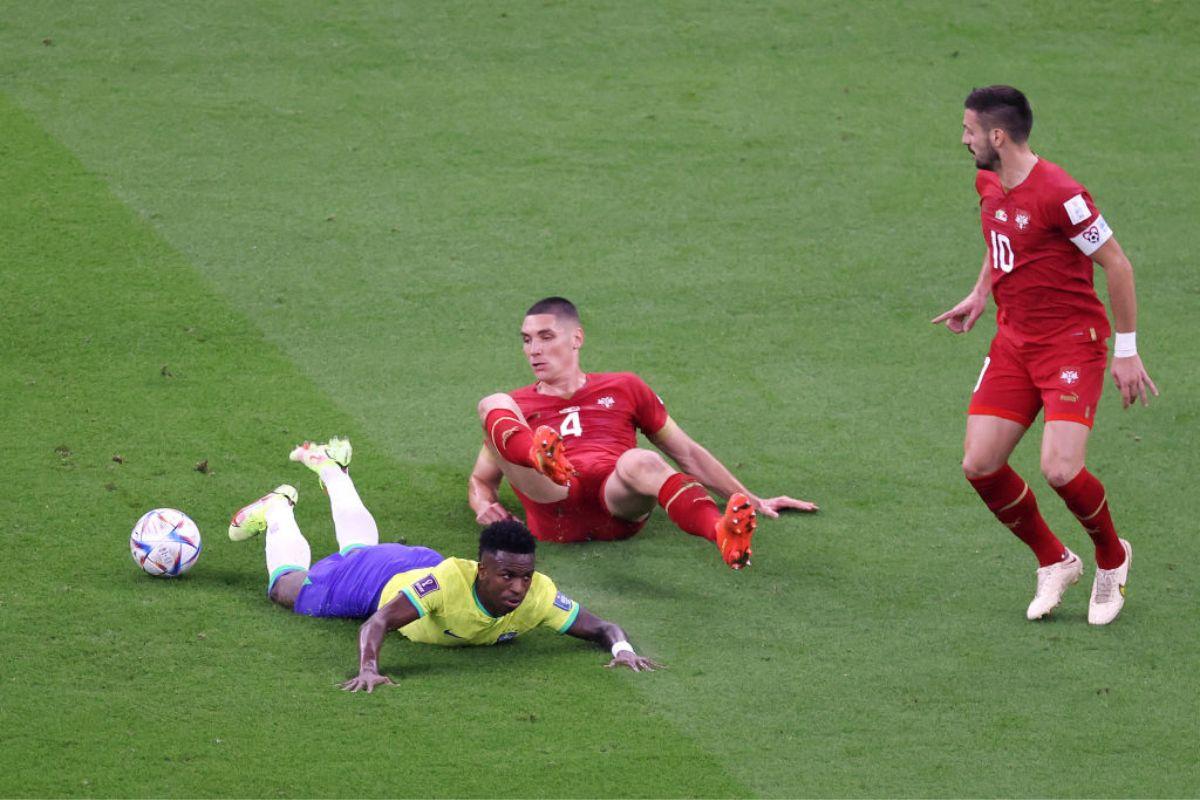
(610, 636)
(693, 458)
(963, 316)
(393, 616)
(1128, 373)
(483, 489)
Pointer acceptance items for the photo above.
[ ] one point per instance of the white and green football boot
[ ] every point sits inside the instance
(251, 520)
(315, 456)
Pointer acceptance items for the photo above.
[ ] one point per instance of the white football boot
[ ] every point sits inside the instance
(1052, 582)
(1108, 590)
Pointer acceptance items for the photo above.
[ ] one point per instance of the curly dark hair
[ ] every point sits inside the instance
(506, 536)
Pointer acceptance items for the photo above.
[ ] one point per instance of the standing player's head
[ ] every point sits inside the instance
(996, 119)
(552, 337)
(506, 561)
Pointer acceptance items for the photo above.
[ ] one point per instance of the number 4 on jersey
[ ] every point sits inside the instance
(570, 425)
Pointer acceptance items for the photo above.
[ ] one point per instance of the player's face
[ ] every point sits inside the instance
(504, 580)
(551, 345)
(977, 140)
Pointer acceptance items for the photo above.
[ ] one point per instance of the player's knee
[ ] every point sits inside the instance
(977, 465)
(638, 466)
(1059, 471)
(494, 401)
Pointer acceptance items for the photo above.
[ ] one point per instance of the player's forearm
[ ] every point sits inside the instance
(983, 284)
(711, 472)
(1122, 296)
(481, 494)
(370, 639)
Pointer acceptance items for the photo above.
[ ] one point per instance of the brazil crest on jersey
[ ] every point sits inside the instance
(452, 616)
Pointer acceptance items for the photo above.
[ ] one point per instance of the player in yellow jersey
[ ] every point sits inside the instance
(415, 590)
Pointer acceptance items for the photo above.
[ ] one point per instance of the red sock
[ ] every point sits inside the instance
(512, 438)
(688, 505)
(1012, 501)
(1086, 498)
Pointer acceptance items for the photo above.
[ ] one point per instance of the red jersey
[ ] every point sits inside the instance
(601, 420)
(1040, 235)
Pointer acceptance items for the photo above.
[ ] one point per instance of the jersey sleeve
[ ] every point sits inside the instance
(428, 592)
(558, 611)
(650, 413)
(1072, 211)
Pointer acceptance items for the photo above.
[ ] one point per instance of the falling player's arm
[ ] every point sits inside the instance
(1128, 373)
(393, 616)
(483, 489)
(610, 636)
(963, 316)
(694, 459)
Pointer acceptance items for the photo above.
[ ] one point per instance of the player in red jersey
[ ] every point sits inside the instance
(580, 475)
(1043, 232)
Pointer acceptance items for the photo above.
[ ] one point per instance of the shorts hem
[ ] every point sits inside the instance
(1071, 418)
(1003, 413)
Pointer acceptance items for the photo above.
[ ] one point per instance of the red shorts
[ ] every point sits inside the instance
(1019, 380)
(582, 516)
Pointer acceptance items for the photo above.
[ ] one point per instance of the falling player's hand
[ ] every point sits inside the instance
(495, 512)
(772, 506)
(1132, 380)
(634, 662)
(366, 681)
(962, 317)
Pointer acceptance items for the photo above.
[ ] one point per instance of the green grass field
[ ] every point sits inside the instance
(227, 227)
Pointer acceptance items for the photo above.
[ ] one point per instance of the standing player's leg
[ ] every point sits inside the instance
(288, 554)
(1064, 451)
(641, 478)
(533, 461)
(353, 524)
(989, 442)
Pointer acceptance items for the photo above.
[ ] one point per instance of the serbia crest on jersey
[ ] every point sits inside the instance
(1040, 237)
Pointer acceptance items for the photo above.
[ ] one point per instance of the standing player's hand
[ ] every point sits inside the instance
(771, 506)
(962, 317)
(493, 513)
(1132, 380)
(366, 681)
(634, 662)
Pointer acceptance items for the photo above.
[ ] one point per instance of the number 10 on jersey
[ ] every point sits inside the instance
(1002, 252)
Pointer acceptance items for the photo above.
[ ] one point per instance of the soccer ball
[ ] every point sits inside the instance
(165, 542)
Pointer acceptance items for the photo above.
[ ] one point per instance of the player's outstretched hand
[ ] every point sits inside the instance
(771, 506)
(493, 513)
(366, 681)
(1132, 380)
(962, 317)
(634, 662)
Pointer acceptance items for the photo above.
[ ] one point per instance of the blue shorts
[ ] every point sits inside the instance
(349, 585)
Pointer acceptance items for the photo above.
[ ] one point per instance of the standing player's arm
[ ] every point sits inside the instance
(694, 459)
(610, 636)
(483, 489)
(1128, 373)
(963, 316)
(396, 614)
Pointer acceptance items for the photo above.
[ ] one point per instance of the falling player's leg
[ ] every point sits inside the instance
(642, 478)
(989, 442)
(512, 443)
(1064, 450)
(287, 551)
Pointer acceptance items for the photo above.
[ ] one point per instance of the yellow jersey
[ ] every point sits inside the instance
(452, 616)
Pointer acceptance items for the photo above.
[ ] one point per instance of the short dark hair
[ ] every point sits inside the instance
(560, 307)
(1002, 107)
(506, 536)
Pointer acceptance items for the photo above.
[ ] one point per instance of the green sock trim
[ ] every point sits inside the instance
(350, 547)
(279, 572)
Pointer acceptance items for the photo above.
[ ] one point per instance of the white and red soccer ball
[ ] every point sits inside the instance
(165, 542)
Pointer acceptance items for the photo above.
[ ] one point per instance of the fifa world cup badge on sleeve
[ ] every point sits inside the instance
(563, 602)
(425, 586)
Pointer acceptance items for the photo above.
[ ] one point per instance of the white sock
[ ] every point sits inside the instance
(286, 546)
(352, 523)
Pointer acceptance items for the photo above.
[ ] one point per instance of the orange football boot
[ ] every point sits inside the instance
(735, 530)
(550, 457)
